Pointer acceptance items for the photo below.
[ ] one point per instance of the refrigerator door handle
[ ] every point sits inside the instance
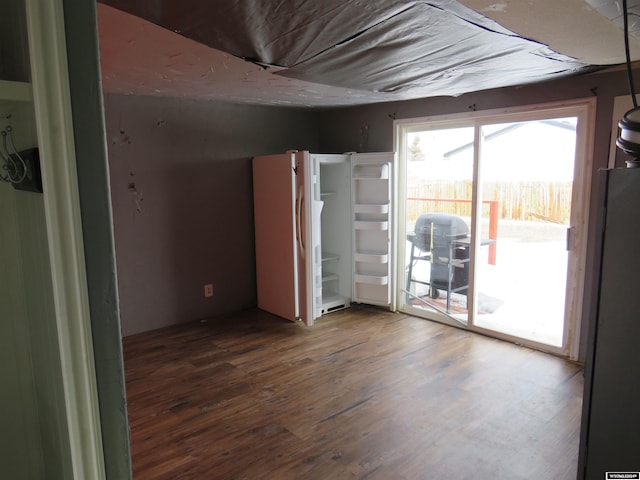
(300, 221)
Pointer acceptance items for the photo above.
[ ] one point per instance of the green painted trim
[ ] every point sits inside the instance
(97, 221)
(52, 104)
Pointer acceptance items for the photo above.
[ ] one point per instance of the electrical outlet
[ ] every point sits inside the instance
(208, 290)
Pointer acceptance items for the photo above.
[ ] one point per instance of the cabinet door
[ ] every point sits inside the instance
(372, 177)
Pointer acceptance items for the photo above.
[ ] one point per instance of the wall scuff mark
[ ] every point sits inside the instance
(122, 139)
(137, 195)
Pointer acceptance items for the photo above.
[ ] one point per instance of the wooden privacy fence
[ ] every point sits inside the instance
(531, 201)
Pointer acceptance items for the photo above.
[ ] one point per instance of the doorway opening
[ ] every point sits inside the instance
(493, 219)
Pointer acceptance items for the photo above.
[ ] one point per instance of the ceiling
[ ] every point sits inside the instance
(348, 52)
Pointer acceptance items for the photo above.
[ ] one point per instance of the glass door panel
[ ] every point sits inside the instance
(526, 180)
(439, 183)
(518, 180)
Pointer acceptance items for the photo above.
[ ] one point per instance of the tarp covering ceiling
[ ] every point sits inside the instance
(612, 9)
(423, 48)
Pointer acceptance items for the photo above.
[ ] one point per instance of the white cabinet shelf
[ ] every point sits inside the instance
(330, 257)
(15, 91)
(328, 277)
(371, 172)
(371, 257)
(371, 208)
(371, 225)
(371, 279)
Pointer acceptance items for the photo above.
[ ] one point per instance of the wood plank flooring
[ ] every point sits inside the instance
(364, 394)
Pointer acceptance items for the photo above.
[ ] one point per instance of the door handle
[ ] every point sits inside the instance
(299, 221)
(570, 237)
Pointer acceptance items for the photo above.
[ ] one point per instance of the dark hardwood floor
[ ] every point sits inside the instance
(364, 394)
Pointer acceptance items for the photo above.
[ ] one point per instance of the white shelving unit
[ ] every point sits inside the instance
(372, 193)
(336, 236)
(15, 91)
(331, 299)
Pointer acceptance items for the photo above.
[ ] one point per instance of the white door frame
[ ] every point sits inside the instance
(52, 105)
(585, 109)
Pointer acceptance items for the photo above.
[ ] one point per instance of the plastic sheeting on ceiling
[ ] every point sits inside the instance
(413, 48)
(612, 9)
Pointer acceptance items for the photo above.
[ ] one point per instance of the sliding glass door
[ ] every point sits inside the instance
(438, 208)
(489, 235)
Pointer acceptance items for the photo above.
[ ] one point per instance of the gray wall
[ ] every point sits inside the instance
(181, 187)
(340, 130)
(190, 165)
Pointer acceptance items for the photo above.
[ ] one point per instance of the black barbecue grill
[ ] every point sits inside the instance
(443, 241)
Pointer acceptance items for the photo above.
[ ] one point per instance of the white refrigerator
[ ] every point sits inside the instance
(324, 232)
